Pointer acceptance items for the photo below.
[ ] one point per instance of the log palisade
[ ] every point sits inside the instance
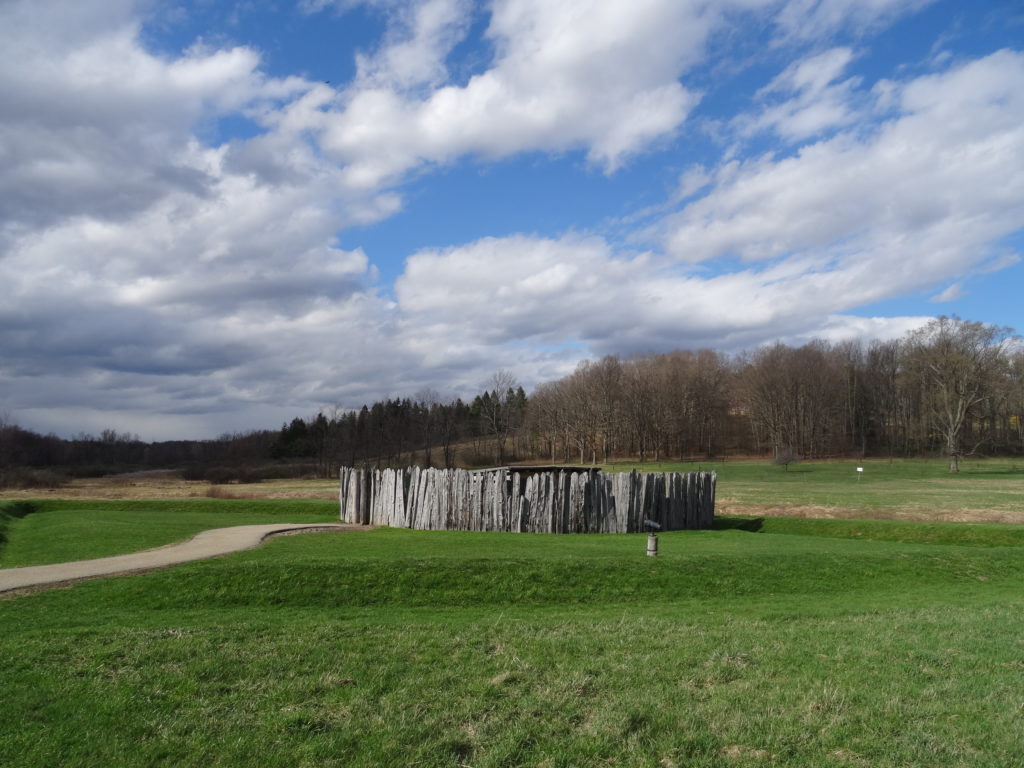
(525, 500)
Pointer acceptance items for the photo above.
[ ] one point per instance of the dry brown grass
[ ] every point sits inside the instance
(914, 512)
(170, 487)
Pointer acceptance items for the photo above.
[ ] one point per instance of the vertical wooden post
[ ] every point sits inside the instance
(652, 544)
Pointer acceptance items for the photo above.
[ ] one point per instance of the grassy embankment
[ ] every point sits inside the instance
(769, 641)
(56, 531)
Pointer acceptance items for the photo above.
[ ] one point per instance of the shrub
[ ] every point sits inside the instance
(95, 470)
(219, 492)
(224, 475)
(785, 457)
(285, 471)
(246, 474)
(193, 472)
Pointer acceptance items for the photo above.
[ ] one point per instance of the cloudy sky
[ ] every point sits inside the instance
(216, 215)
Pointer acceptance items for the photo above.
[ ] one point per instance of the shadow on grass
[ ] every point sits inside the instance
(752, 524)
(1014, 470)
(14, 510)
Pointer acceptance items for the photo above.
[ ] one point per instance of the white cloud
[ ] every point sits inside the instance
(839, 328)
(603, 77)
(811, 75)
(571, 75)
(158, 274)
(952, 292)
(918, 200)
(510, 296)
(499, 290)
(421, 35)
(818, 19)
(96, 126)
(813, 101)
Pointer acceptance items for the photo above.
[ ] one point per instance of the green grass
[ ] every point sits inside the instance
(974, 534)
(11, 511)
(766, 642)
(59, 531)
(906, 484)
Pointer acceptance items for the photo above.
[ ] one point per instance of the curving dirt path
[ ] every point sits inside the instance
(206, 544)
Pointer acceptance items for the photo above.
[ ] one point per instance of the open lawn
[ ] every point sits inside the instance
(769, 641)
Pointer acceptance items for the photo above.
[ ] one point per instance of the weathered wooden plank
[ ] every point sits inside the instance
(673, 504)
(367, 495)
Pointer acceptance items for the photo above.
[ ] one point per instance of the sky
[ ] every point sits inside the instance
(217, 215)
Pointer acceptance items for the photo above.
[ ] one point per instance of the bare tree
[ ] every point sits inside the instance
(427, 401)
(601, 386)
(6, 438)
(638, 403)
(765, 396)
(1015, 399)
(447, 416)
(956, 364)
(335, 439)
(503, 410)
(794, 397)
(709, 392)
(579, 411)
(885, 402)
(673, 402)
(546, 415)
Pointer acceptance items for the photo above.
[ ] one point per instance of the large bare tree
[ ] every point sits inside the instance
(503, 410)
(957, 364)
(1015, 398)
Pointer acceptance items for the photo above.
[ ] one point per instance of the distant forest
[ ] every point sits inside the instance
(953, 388)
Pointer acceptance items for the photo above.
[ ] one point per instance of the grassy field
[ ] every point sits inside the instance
(769, 641)
(986, 489)
(912, 489)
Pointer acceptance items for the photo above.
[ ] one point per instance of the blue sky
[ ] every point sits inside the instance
(215, 216)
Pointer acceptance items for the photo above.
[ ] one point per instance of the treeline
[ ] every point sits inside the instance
(24, 452)
(953, 387)
(424, 430)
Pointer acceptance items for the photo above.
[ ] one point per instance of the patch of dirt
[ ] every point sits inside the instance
(735, 751)
(962, 515)
(321, 529)
(848, 756)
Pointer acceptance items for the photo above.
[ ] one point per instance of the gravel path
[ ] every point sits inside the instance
(212, 543)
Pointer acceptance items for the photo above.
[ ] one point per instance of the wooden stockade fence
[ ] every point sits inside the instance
(527, 501)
